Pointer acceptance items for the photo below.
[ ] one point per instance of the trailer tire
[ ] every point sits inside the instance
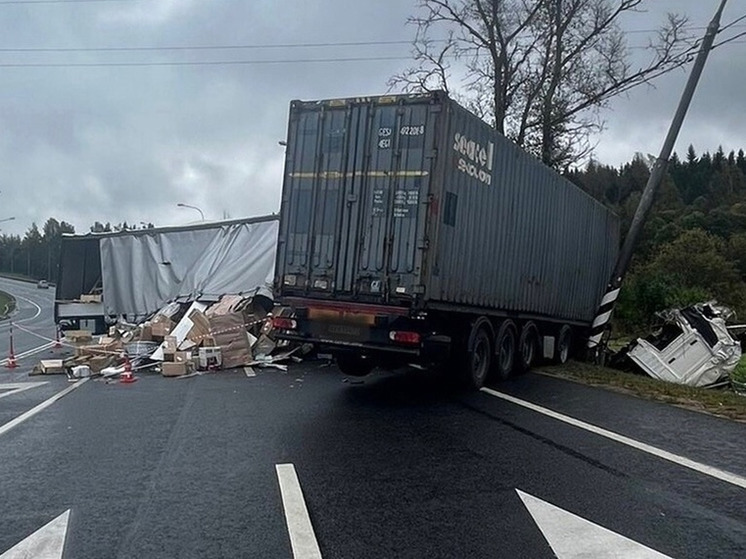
(528, 347)
(354, 366)
(563, 346)
(505, 350)
(478, 360)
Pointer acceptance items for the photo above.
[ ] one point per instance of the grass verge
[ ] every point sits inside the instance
(7, 304)
(720, 402)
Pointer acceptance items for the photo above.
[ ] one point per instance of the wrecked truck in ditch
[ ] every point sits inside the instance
(693, 346)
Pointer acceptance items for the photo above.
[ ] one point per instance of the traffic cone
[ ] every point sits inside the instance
(126, 377)
(57, 343)
(11, 361)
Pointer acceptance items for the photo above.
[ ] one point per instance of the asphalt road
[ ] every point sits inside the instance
(33, 320)
(396, 466)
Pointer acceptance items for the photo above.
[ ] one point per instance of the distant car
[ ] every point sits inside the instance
(42, 284)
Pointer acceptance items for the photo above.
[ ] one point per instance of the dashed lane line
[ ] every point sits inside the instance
(302, 537)
(16, 387)
(41, 407)
(29, 352)
(711, 471)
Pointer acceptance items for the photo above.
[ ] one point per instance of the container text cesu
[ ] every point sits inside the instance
(477, 159)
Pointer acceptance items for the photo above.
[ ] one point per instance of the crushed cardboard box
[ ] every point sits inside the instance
(234, 332)
(174, 369)
(228, 331)
(52, 366)
(78, 336)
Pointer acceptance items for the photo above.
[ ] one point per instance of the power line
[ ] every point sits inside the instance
(198, 63)
(733, 24)
(29, 2)
(731, 40)
(204, 47)
(230, 47)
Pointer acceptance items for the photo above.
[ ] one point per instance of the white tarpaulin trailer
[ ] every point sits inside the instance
(136, 272)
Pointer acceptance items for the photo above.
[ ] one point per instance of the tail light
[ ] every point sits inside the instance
(281, 323)
(409, 338)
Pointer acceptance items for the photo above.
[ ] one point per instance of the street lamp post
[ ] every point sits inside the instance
(7, 219)
(193, 208)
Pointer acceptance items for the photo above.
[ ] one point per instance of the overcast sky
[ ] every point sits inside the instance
(86, 135)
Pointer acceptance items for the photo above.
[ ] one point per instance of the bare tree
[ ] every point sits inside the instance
(539, 71)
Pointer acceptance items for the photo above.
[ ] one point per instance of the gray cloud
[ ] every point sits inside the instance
(117, 143)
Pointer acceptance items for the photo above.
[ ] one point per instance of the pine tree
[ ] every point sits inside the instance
(718, 160)
(691, 155)
(741, 161)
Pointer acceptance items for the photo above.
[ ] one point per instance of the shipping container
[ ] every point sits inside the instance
(410, 210)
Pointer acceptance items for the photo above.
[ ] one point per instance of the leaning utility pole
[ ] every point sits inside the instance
(605, 310)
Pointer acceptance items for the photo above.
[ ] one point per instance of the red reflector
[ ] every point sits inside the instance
(284, 323)
(411, 338)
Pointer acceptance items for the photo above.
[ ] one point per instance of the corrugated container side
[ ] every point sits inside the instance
(392, 199)
(513, 234)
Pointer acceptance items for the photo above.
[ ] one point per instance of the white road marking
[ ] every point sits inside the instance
(38, 309)
(302, 537)
(16, 387)
(29, 352)
(41, 407)
(573, 537)
(711, 471)
(48, 542)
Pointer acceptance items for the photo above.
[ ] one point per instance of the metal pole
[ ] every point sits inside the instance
(202, 215)
(10, 363)
(606, 308)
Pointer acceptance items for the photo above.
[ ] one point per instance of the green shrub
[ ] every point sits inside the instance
(739, 373)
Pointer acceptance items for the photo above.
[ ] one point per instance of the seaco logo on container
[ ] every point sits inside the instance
(476, 159)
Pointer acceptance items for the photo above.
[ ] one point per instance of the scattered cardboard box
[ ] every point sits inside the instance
(228, 330)
(209, 358)
(173, 369)
(264, 346)
(169, 348)
(101, 362)
(160, 330)
(183, 357)
(146, 333)
(226, 305)
(200, 327)
(52, 366)
(181, 330)
(78, 336)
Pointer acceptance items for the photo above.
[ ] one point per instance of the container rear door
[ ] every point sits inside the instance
(355, 199)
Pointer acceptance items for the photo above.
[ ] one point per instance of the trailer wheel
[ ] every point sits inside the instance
(528, 347)
(563, 346)
(354, 366)
(479, 358)
(505, 349)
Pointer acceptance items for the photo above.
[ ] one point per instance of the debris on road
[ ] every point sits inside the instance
(692, 347)
(182, 339)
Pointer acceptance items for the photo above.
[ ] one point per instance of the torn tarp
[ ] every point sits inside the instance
(135, 272)
(693, 347)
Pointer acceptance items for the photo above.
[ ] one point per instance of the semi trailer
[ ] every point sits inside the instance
(413, 233)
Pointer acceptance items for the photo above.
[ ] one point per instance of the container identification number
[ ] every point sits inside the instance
(412, 130)
(476, 160)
